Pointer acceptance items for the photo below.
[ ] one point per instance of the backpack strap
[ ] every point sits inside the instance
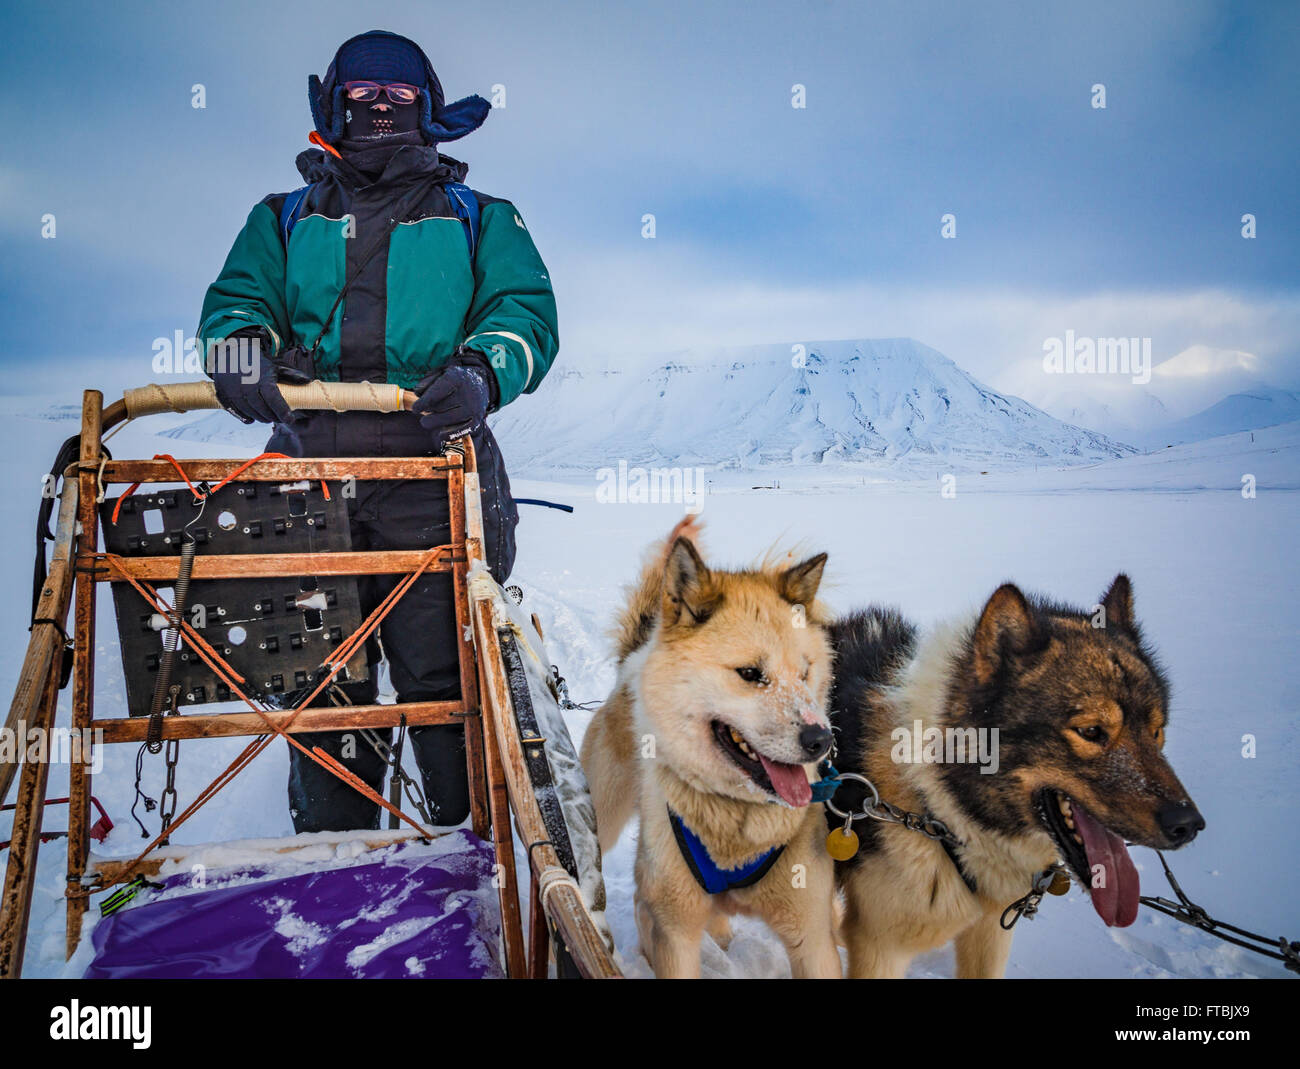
(465, 205)
(290, 209)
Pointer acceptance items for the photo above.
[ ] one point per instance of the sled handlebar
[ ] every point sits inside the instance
(330, 396)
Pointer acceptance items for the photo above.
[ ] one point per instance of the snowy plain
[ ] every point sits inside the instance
(1215, 575)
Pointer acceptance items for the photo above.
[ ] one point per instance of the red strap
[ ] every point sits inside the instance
(316, 139)
(117, 509)
(135, 486)
(244, 467)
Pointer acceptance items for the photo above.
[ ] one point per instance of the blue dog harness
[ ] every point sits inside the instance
(707, 874)
(715, 880)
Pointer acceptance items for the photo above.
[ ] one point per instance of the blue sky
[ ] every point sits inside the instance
(773, 223)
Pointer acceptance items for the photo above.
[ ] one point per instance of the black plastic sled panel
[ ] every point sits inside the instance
(243, 518)
(275, 632)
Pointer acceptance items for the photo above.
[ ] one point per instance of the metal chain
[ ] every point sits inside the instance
(167, 802)
(412, 790)
(414, 793)
(1184, 910)
(1188, 912)
(878, 809)
(171, 757)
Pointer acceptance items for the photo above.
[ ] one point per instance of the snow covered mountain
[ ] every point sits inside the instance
(1248, 411)
(1123, 414)
(884, 402)
(1200, 376)
(1180, 391)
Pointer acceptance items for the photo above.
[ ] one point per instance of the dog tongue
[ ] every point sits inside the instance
(1117, 902)
(790, 781)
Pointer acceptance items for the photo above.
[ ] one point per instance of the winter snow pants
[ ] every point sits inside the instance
(417, 639)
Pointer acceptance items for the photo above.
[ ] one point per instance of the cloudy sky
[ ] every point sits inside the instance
(773, 223)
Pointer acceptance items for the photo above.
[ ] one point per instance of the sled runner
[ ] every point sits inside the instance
(269, 564)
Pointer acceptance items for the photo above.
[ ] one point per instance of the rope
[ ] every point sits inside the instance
(343, 652)
(332, 396)
(100, 491)
(551, 878)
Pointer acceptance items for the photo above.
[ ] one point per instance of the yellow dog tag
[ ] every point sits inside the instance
(842, 843)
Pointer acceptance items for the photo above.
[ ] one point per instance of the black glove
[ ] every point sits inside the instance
(455, 398)
(254, 397)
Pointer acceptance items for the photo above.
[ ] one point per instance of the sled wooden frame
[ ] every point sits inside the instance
(500, 786)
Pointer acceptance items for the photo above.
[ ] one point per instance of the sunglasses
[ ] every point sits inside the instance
(398, 92)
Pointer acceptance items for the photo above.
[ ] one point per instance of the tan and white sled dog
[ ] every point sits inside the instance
(715, 723)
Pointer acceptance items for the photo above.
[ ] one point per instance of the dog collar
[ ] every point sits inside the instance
(713, 879)
(825, 790)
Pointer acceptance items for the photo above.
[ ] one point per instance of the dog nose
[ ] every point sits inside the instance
(815, 740)
(1180, 821)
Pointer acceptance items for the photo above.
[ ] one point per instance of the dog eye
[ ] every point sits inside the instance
(751, 674)
(1093, 733)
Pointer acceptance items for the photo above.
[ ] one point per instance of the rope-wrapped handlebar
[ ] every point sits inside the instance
(333, 396)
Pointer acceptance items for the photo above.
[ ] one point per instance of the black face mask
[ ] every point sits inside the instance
(379, 118)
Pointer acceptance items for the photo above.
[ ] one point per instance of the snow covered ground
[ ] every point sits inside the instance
(1215, 575)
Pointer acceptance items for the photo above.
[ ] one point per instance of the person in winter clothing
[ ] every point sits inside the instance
(462, 314)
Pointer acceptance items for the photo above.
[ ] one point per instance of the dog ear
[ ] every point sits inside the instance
(798, 583)
(686, 584)
(1006, 626)
(1118, 603)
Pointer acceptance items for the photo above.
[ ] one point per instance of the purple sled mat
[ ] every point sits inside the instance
(413, 917)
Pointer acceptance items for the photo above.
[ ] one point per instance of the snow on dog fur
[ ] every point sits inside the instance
(719, 715)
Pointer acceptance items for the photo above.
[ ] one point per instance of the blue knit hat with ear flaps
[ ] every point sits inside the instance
(388, 57)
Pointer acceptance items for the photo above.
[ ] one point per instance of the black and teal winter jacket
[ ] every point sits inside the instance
(416, 304)
(410, 309)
